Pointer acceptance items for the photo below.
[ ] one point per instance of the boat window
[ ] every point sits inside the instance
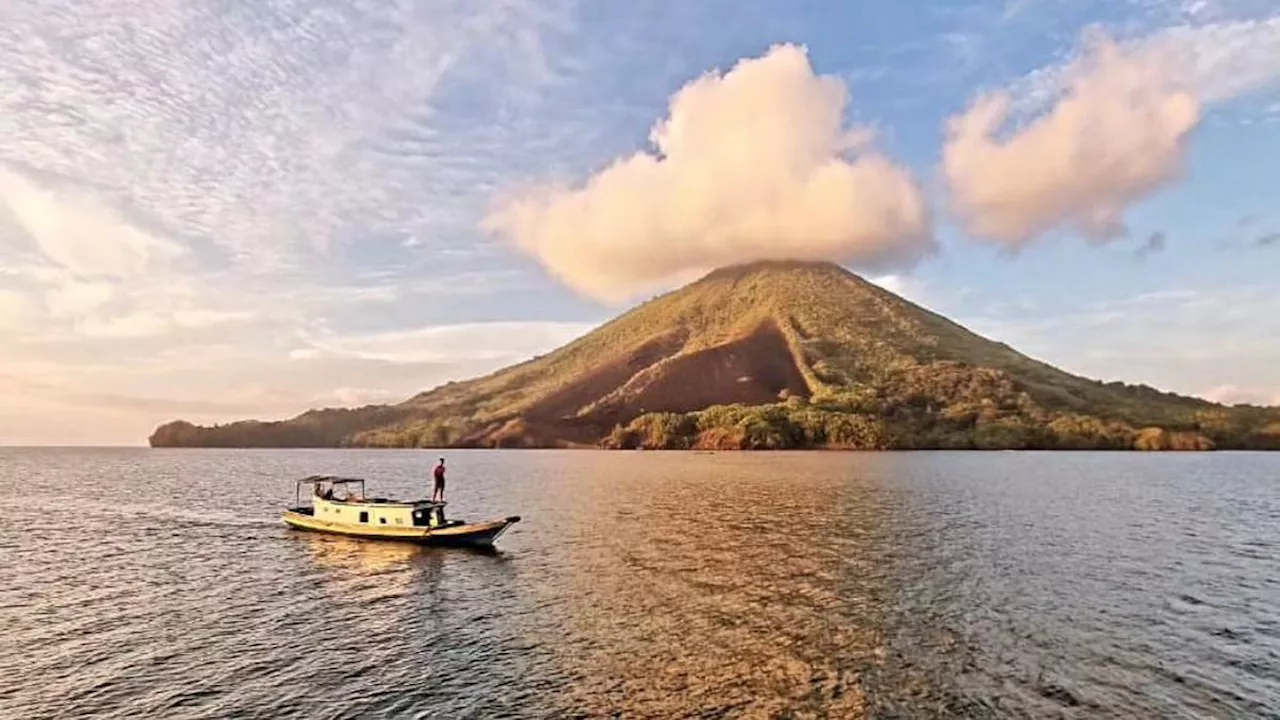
(382, 520)
(364, 516)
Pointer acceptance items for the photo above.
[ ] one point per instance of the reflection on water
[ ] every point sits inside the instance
(368, 572)
(356, 558)
(162, 583)
(729, 594)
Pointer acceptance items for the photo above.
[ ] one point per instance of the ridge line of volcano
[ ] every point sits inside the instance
(771, 355)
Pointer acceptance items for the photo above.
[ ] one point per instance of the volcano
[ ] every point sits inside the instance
(771, 355)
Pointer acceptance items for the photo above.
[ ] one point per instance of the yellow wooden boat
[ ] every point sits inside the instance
(339, 505)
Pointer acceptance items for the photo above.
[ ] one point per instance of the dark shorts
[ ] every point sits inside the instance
(439, 483)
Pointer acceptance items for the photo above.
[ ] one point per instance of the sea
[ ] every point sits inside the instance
(140, 583)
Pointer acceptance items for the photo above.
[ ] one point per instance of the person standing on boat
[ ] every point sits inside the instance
(439, 488)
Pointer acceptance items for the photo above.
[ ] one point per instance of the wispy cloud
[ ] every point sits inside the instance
(270, 129)
(75, 232)
(1217, 61)
(16, 310)
(206, 382)
(1223, 60)
(1173, 339)
(246, 171)
(484, 342)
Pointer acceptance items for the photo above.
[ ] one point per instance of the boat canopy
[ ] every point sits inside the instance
(351, 490)
(328, 485)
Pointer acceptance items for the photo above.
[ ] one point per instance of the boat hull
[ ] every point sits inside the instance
(480, 534)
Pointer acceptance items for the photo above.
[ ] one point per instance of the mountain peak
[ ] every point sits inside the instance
(774, 353)
(776, 266)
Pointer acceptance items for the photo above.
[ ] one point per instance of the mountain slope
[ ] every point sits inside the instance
(773, 354)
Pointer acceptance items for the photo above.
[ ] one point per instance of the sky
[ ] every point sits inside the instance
(248, 208)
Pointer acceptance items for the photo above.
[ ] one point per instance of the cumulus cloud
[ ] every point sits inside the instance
(1075, 145)
(752, 164)
(1117, 133)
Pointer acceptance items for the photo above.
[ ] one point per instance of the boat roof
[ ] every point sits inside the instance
(336, 480)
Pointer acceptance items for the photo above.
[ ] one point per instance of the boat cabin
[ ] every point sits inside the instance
(343, 500)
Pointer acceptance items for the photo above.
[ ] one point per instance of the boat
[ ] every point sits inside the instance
(340, 506)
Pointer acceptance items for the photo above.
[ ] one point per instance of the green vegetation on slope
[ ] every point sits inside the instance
(774, 355)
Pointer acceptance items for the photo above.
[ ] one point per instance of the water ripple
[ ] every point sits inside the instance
(648, 585)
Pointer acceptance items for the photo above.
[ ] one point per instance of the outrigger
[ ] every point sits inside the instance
(339, 505)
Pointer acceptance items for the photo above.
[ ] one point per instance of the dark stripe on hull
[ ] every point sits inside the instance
(479, 538)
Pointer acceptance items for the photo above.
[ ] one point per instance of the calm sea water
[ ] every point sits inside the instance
(140, 583)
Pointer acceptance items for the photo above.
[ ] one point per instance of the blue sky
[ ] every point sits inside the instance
(232, 209)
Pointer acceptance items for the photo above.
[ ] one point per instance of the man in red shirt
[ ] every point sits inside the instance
(439, 488)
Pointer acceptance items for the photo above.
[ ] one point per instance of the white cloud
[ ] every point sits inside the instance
(73, 298)
(271, 129)
(138, 167)
(204, 318)
(122, 347)
(97, 274)
(911, 288)
(753, 164)
(76, 232)
(1221, 60)
(1116, 135)
(481, 342)
(121, 402)
(1076, 145)
(1217, 61)
(355, 397)
(15, 310)
(1232, 395)
(149, 323)
(134, 325)
(1179, 340)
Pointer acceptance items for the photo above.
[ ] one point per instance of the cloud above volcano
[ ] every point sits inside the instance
(755, 163)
